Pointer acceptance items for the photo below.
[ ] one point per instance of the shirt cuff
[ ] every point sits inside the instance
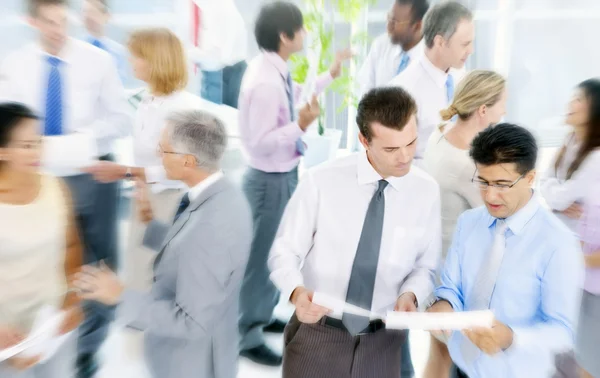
(154, 174)
(292, 283)
(420, 293)
(450, 297)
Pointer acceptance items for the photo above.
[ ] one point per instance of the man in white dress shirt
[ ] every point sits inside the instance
(96, 14)
(366, 230)
(221, 51)
(76, 88)
(392, 52)
(448, 32)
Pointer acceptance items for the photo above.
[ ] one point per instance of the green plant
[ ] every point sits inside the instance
(322, 33)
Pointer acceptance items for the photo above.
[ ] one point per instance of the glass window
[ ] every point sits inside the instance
(557, 4)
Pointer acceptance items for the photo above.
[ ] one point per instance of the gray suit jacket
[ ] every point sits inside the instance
(190, 317)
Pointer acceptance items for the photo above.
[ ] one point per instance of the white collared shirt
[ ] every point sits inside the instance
(94, 100)
(150, 121)
(117, 51)
(204, 184)
(427, 84)
(383, 61)
(319, 233)
(222, 35)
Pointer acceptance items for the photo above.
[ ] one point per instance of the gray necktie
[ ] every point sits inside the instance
(364, 268)
(481, 294)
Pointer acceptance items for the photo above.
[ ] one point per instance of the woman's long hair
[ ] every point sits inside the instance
(591, 141)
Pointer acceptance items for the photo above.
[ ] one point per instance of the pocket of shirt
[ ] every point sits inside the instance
(406, 243)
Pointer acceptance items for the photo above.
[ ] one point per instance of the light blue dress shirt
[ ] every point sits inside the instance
(537, 293)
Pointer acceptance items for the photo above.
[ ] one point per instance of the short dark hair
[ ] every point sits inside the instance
(390, 106)
(34, 5)
(505, 143)
(274, 19)
(11, 115)
(419, 8)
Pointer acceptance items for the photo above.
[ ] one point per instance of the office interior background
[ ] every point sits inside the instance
(540, 45)
(543, 47)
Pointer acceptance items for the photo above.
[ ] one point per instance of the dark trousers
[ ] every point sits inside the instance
(268, 195)
(407, 368)
(96, 212)
(319, 350)
(223, 86)
(455, 372)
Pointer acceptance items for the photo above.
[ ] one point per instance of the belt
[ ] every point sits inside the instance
(374, 325)
(107, 157)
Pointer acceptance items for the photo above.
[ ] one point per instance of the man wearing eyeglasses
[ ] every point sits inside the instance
(515, 257)
(394, 50)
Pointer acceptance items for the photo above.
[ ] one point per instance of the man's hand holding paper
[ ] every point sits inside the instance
(491, 340)
(306, 310)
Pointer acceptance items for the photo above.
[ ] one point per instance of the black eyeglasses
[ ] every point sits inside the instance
(484, 185)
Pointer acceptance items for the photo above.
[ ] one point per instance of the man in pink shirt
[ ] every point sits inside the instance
(271, 134)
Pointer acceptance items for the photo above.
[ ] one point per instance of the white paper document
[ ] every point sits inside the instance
(43, 340)
(339, 307)
(72, 151)
(429, 321)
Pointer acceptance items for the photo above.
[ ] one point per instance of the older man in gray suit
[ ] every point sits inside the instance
(190, 316)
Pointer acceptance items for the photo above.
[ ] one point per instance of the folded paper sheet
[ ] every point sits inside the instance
(43, 340)
(428, 321)
(425, 321)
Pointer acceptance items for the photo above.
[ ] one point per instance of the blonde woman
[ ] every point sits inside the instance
(479, 102)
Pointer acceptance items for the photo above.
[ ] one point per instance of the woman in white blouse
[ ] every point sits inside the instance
(576, 167)
(479, 102)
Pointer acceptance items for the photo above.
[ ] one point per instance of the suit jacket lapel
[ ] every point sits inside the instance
(215, 188)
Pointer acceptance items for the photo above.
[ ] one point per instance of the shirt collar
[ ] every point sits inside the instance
(203, 185)
(65, 54)
(417, 51)
(517, 222)
(278, 62)
(366, 174)
(438, 76)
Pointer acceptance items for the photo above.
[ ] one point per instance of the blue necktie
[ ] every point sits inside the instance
(300, 147)
(97, 43)
(54, 104)
(450, 88)
(185, 202)
(404, 60)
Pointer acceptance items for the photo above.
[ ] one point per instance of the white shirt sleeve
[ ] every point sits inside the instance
(560, 195)
(420, 280)
(295, 237)
(117, 120)
(366, 75)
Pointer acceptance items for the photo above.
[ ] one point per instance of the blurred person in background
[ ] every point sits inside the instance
(76, 88)
(189, 317)
(220, 49)
(96, 14)
(158, 59)
(515, 258)
(448, 31)
(40, 248)
(480, 101)
(393, 51)
(271, 133)
(588, 337)
(576, 168)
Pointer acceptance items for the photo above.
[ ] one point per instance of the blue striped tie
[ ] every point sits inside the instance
(404, 60)
(300, 147)
(54, 102)
(450, 88)
(97, 43)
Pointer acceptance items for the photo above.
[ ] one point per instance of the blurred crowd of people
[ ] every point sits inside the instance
(441, 210)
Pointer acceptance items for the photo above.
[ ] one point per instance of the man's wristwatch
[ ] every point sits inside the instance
(128, 174)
